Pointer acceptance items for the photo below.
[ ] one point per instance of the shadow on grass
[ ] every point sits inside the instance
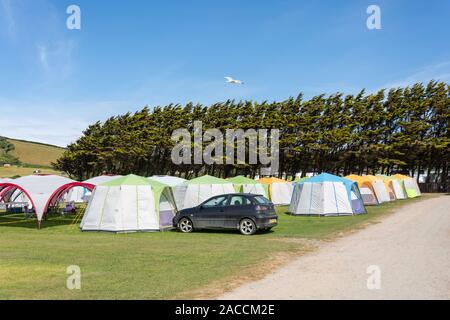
(225, 231)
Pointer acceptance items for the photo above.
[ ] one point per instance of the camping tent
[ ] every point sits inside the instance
(16, 196)
(173, 182)
(128, 204)
(102, 179)
(379, 188)
(396, 185)
(410, 185)
(43, 191)
(81, 195)
(389, 188)
(246, 185)
(326, 195)
(366, 189)
(193, 192)
(169, 180)
(3, 181)
(4, 194)
(280, 191)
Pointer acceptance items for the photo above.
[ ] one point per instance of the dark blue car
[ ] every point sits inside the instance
(244, 212)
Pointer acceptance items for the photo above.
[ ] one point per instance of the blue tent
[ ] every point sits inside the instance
(326, 194)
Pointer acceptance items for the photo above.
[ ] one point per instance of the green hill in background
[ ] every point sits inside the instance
(32, 156)
(34, 153)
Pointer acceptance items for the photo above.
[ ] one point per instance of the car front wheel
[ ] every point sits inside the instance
(247, 227)
(185, 225)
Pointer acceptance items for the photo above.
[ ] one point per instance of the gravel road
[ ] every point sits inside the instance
(405, 256)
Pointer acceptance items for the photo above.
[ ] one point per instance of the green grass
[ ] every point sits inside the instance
(160, 265)
(24, 171)
(33, 156)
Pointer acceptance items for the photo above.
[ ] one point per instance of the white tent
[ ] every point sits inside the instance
(43, 191)
(169, 180)
(380, 191)
(18, 196)
(246, 185)
(366, 189)
(102, 179)
(399, 191)
(326, 195)
(81, 194)
(410, 185)
(280, 191)
(77, 195)
(3, 188)
(129, 204)
(13, 195)
(194, 192)
(368, 196)
(175, 184)
(5, 180)
(380, 188)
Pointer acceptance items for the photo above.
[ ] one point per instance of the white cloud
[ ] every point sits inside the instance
(8, 16)
(56, 58)
(42, 55)
(438, 72)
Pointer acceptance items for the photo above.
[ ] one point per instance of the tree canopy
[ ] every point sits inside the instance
(401, 129)
(6, 148)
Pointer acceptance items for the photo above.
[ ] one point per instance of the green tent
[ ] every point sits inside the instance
(246, 185)
(129, 203)
(206, 179)
(410, 185)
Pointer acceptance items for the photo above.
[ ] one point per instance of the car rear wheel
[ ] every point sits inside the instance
(185, 225)
(247, 227)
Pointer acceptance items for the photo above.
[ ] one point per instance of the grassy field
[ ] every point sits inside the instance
(37, 154)
(161, 265)
(23, 171)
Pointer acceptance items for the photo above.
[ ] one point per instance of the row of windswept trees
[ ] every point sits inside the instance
(403, 129)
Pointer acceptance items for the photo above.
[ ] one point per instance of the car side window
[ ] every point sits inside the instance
(215, 202)
(239, 201)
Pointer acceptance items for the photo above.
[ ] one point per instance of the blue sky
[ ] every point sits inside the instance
(54, 82)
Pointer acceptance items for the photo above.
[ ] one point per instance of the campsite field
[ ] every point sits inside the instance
(162, 265)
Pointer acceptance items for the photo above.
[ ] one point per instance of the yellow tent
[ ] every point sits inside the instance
(379, 188)
(396, 185)
(366, 189)
(280, 191)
